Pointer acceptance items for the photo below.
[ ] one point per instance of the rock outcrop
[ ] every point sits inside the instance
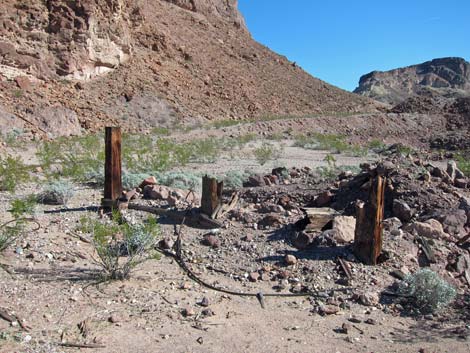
(142, 64)
(447, 77)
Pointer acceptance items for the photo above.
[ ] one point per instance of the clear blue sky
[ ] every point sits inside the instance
(340, 40)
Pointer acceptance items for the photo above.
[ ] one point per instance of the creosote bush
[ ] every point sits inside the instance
(266, 152)
(13, 230)
(120, 246)
(426, 292)
(12, 173)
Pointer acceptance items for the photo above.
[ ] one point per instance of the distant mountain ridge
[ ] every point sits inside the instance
(447, 77)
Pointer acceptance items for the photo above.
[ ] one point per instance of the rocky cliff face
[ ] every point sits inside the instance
(141, 63)
(448, 77)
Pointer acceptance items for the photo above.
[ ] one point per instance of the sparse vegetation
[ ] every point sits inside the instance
(14, 229)
(57, 192)
(23, 206)
(234, 179)
(377, 146)
(266, 152)
(327, 142)
(120, 246)
(425, 292)
(463, 163)
(13, 172)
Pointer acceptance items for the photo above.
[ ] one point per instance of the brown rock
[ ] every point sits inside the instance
(156, 192)
(461, 183)
(290, 260)
(328, 310)
(270, 220)
(211, 240)
(253, 276)
(428, 229)
(151, 180)
(324, 199)
(23, 82)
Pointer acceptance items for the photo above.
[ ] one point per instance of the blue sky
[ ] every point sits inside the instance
(340, 40)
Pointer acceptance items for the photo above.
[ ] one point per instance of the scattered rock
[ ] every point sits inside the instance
(148, 181)
(371, 321)
(253, 276)
(324, 199)
(270, 220)
(369, 299)
(328, 310)
(344, 228)
(402, 211)
(211, 240)
(290, 260)
(156, 192)
(115, 318)
(188, 311)
(204, 302)
(346, 328)
(429, 229)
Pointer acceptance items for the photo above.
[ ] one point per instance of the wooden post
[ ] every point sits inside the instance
(368, 234)
(112, 168)
(211, 195)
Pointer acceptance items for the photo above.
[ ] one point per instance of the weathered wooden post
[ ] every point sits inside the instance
(211, 197)
(369, 227)
(112, 168)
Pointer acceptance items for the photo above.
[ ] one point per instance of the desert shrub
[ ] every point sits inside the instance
(234, 179)
(120, 246)
(463, 163)
(11, 231)
(330, 142)
(23, 206)
(266, 152)
(204, 150)
(377, 146)
(12, 138)
(12, 173)
(425, 292)
(180, 180)
(57, 192)
(74, 157)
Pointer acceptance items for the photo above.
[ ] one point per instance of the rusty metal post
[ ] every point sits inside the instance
(369, 227)
(112, 168)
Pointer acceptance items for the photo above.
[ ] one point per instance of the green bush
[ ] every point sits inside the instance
(12, 173)
(266, 152)
(463, 163)
(23, 206)
(120, 246)
(327, 142)
(426, 292)
(11, 231)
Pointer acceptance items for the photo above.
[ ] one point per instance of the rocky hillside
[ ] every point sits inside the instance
(446, 77)
(67, 65)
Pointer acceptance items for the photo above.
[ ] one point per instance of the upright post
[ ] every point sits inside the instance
(211, 195)
(112, 168)
(369, 226)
